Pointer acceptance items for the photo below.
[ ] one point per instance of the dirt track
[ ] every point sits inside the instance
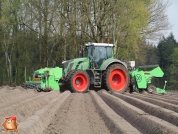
(89, 113)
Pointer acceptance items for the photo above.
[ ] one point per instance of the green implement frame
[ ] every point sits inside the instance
(142, 78)
(44, 79)
(161, 91)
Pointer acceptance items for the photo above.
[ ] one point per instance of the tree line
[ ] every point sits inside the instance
(37, 33)
(167, 53)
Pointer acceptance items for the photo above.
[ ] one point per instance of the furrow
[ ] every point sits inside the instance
(27, 107)
(160, 103)
(114, 122)
(159, 97)
(36, 123)
(165, 114)
(141, 120)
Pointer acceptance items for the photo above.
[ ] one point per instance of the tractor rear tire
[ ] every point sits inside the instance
(116, 78)
(79, 81)
(151, 89)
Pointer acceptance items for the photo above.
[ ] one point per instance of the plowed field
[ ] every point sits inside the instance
(89, 113)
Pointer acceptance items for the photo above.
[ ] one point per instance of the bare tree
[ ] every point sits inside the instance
(157, 21)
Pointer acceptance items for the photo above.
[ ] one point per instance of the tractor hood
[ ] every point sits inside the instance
(78, 63)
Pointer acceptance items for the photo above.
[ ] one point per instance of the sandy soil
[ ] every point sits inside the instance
(90, 113)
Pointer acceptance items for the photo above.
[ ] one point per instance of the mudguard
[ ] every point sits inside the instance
(110, 61)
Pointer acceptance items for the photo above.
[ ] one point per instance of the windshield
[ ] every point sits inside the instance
(103, 52)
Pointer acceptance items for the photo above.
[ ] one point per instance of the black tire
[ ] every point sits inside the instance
(66, 82)
(79, 81)
(116, 78)
(131, 86)
(24, 86)
(135, 87)
(151, 89)
(38, 89)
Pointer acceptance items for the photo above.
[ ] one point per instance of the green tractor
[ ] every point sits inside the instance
(97, 69)
(141, 78)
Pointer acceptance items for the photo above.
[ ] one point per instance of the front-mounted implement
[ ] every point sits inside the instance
(141, 78)
(44, 79)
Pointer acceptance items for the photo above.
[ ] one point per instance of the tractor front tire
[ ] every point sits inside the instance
(116, 78)
(79, 81)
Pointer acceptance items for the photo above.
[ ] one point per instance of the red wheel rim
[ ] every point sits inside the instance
(117, 79)
(80, 82)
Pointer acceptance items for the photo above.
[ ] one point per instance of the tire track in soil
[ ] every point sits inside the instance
(157, 102)
(77, 115)
(165, 114)
(144, 122)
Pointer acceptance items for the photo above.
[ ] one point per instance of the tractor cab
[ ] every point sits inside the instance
(98, 53)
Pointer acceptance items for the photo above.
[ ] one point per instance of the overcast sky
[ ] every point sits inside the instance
(172, 13)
